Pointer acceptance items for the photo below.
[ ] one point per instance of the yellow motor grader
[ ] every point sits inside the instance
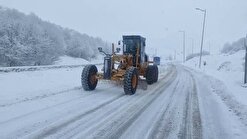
(128, 67)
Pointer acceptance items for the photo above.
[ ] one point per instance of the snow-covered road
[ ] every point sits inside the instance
(182, 104)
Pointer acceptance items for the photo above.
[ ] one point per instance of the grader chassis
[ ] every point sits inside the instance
(128, 67)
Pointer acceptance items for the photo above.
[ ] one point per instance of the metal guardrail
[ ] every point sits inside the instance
(38, 68)
(245, 67)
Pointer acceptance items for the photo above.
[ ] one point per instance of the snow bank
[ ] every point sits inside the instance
(228, 70)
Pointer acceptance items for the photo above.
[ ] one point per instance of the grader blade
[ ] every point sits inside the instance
(142, 84)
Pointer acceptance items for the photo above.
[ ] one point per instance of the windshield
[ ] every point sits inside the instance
(129, 46)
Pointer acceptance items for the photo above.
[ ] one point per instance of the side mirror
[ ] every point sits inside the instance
(118, 50)
(119, 42)
(100, 49)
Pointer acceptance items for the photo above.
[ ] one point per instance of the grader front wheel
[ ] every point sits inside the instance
(130, 81)
(88, 77)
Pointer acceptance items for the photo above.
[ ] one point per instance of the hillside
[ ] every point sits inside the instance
(27, 40)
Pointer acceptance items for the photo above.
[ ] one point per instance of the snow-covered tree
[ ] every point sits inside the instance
(27, 40)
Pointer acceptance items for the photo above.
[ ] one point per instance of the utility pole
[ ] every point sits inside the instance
(175, 53)
(209, 45)
(192, 45)
(245, 71)
(183, 45)
(203, 30)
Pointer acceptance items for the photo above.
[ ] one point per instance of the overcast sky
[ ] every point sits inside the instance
(157, 20)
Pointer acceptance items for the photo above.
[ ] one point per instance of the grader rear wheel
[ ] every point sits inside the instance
(88, 77)
(130, 81)
(150, 75)
(156, 71)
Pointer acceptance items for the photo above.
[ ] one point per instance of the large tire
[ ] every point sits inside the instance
(156, 71)
(130, 81)
(88, 77)
(150, 74)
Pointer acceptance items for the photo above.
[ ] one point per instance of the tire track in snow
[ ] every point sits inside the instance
(161, 126)
(197, 122)
(191, 127)
(145, 125)
(167, 122)
(40, 97)
(68, 108)
(84, 96)
(51, 129)
(89, 122)
(57, 126)
(87, 125)
(46, 108)
(116, 127)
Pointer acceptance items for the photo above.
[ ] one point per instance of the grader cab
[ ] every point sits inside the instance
(128, 67)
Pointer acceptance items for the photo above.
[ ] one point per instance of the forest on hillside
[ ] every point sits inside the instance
(234, 47)
(27, 40)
